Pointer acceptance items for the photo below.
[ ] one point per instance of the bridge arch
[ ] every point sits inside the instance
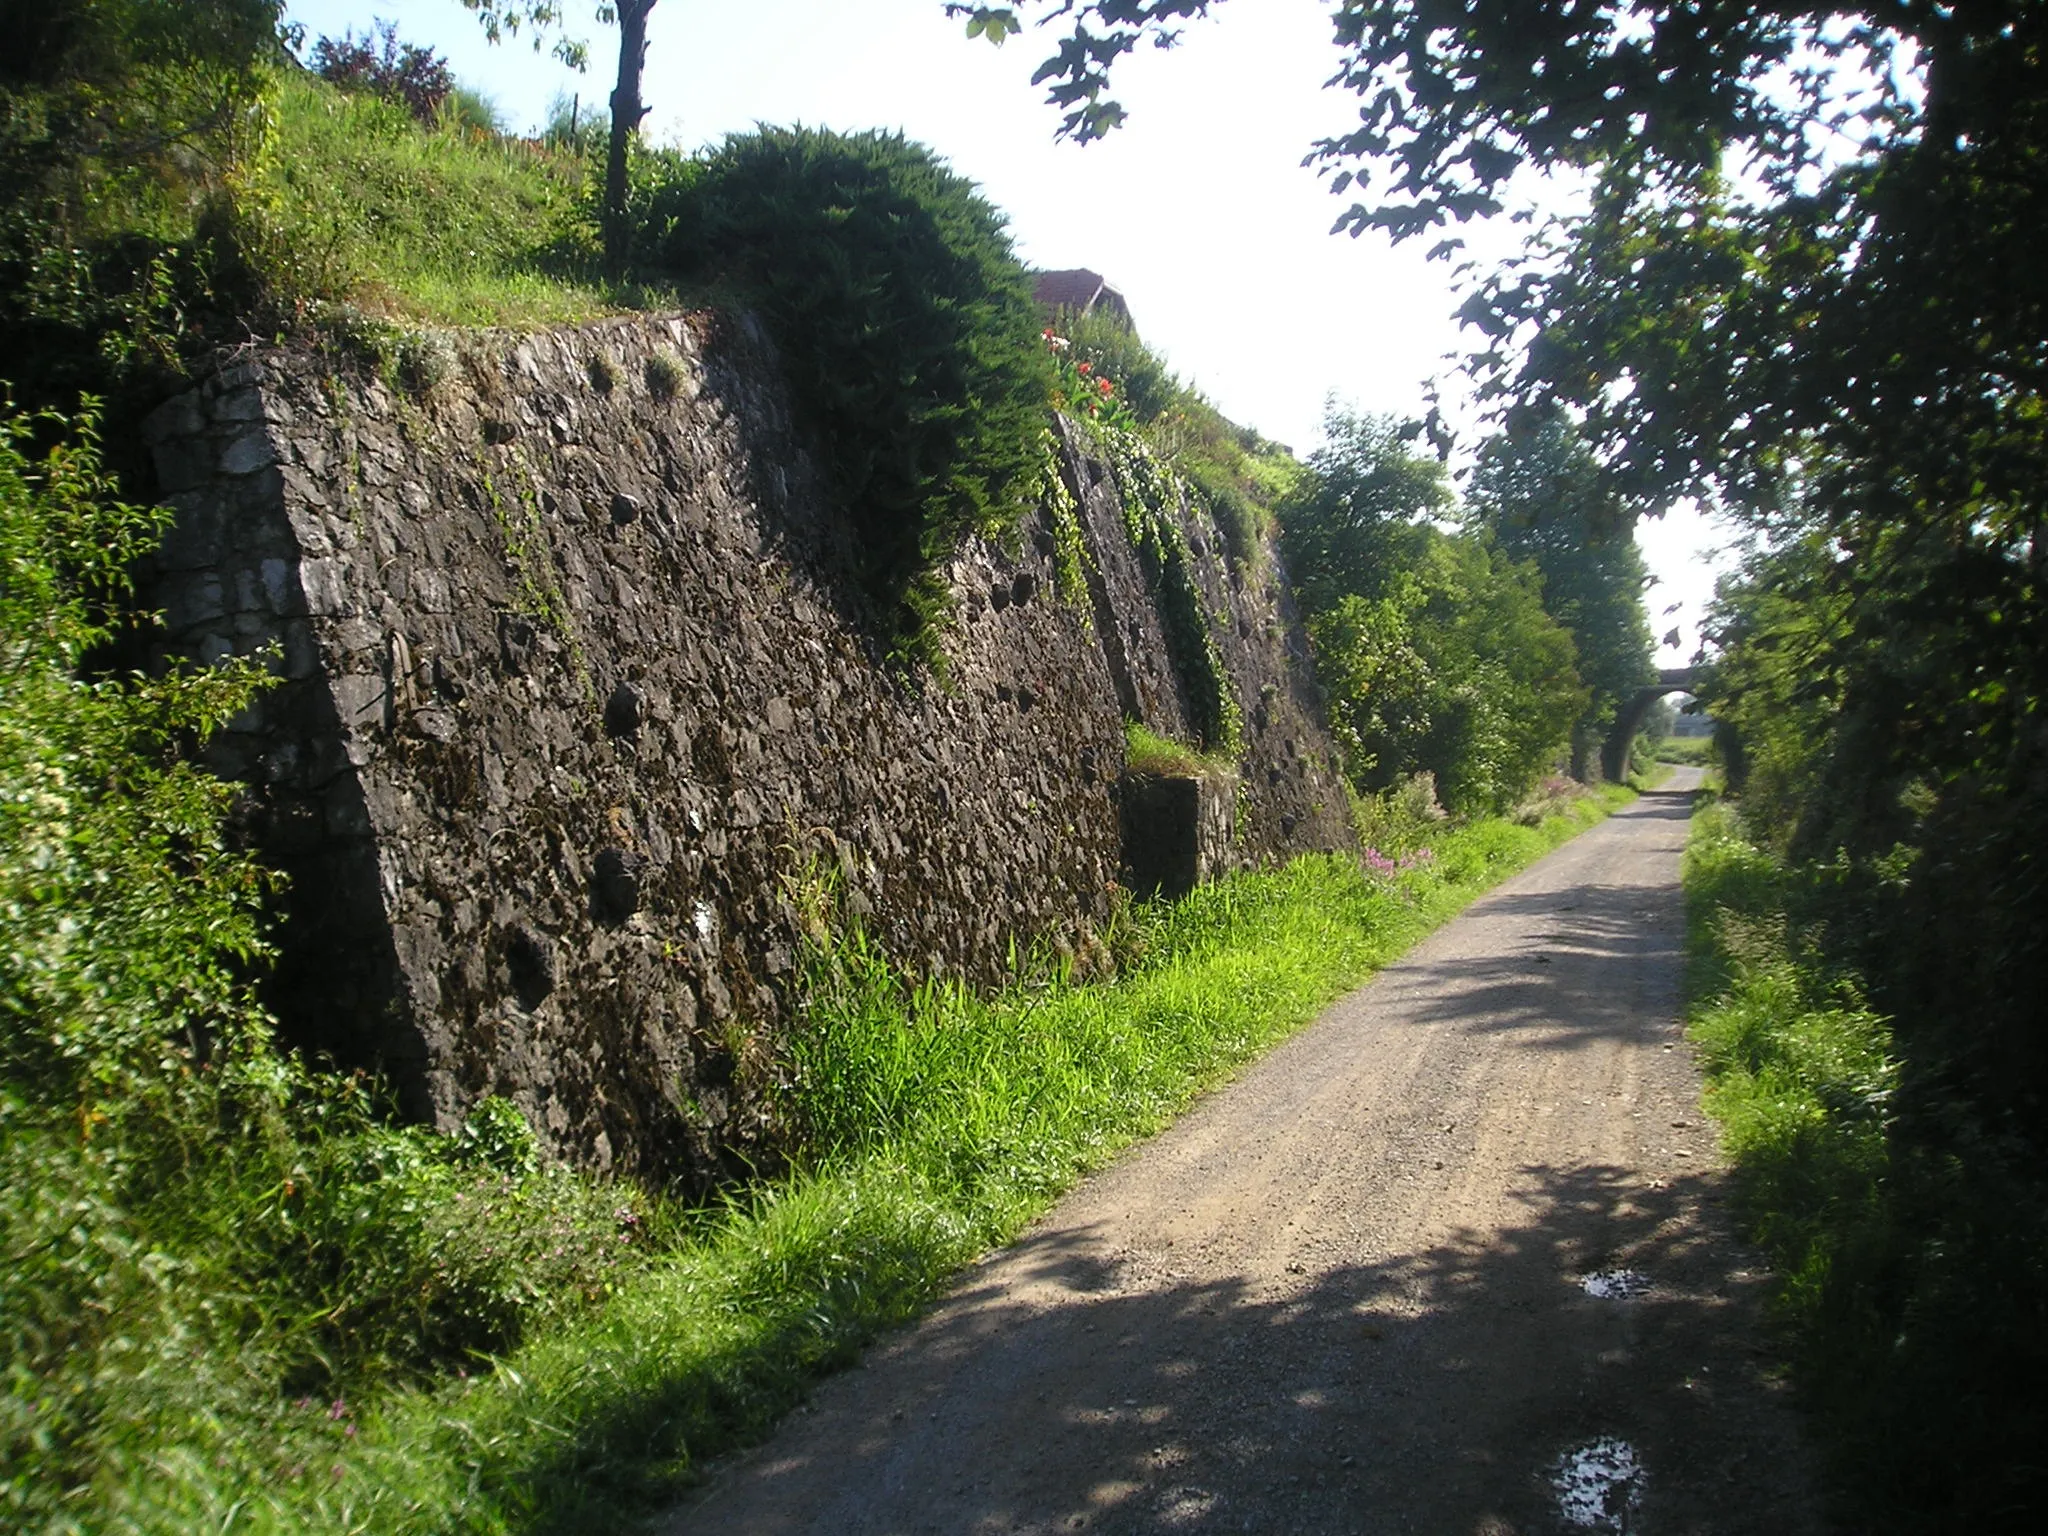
(1629, 719)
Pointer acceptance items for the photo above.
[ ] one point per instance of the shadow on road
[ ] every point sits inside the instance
(1431, 1393)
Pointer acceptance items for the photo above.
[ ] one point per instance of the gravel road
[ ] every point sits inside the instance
(1454, 1259)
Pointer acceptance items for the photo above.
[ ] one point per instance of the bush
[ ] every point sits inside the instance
(127, 1024)
(194, 1228)
(904, 319)
(414, 77)
(126, 920)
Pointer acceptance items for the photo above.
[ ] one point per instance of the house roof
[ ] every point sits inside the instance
(1080, 290)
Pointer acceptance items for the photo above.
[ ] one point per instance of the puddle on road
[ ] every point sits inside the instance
(1616, 1284)
(1599, 1485)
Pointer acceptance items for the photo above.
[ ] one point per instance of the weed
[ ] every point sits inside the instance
(1146, 751)
(665, 376)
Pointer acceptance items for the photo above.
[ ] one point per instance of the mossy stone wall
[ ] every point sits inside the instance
(581, 709)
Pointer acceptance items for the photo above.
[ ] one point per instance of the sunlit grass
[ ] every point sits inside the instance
(352, 201)
(939, 1125)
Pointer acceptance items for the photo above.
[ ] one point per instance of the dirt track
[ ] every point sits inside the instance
(1346, 1294)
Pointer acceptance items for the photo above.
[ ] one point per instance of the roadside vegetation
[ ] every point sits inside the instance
(239, 1294)
(1697, 751)
(240, 1297)
(1909, 1237)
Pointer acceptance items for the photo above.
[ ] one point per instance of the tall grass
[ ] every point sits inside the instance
(936, 1124)
(350, 200)
(1910, 1239)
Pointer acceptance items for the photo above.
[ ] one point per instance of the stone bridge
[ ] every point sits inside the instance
(1614, 755)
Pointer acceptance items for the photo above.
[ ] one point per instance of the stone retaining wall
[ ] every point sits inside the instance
(580, 712)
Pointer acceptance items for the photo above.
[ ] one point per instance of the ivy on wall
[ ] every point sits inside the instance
(1154, 500)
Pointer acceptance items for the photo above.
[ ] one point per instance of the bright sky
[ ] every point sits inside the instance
(1198, 209)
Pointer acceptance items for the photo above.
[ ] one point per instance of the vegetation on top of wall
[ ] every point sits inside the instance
(118, 122)
(1146, 751)
(905, 323)
(1232, 472)
(347, 200)
(277, 200)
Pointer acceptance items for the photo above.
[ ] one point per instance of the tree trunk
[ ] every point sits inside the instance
(627, 112)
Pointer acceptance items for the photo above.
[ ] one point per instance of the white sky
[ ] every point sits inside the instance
(1198, 209)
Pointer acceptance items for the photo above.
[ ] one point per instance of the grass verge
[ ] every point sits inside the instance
(941, 1124)
(1909, 1237)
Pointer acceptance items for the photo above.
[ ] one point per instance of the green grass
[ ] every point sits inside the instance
(1909, 1237)
(1695, 750)
(937, 1123)
(352, 201)
(1146, 751)
(1798, 1077)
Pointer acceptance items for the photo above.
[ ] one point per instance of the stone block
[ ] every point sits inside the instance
(181, 416)
(249, 452)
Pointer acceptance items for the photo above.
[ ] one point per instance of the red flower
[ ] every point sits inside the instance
(1104, 385)
(1086, 369)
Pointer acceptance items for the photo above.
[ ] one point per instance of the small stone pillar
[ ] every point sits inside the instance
(1177, 832)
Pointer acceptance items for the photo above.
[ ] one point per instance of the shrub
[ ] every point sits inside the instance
(1400, 818)
(904, 319)
(194, 1227)
(125, 918)
(126, 926)
(415, 77)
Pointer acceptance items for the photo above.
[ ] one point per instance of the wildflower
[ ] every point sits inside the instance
(1105, 386)
(1084, 369)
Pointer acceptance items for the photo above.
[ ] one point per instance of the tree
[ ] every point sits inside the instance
(1433, 648)
(1536, 494)
(114, 113)
(628, 109)
(1871, 304)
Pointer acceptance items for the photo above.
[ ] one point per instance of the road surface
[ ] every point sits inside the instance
(1454, 1259)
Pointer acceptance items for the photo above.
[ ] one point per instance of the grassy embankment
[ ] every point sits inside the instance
(354, 214)
(939, 1124)
(1695, 750)
(1909, 1274)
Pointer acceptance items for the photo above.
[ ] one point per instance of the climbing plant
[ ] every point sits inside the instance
(905, 322)
(1154, 500)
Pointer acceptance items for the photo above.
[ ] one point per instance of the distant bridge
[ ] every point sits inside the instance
(1614, 756)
